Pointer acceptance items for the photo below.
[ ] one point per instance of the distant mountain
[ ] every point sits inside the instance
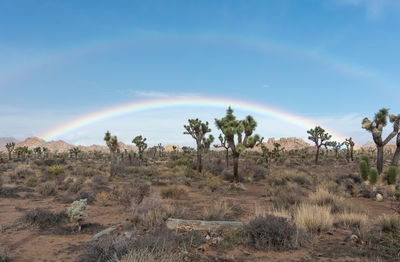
(371, 144)
(5, 140)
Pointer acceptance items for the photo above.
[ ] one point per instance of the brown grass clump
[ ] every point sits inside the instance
(47, 189)
(175, 192)
(389, 223)
(314, 218)
(103, 198)
(352, 220)
(219, 210)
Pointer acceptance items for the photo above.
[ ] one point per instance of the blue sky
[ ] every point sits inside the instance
(334, 61)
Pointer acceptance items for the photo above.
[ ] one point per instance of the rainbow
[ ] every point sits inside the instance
(177, 102)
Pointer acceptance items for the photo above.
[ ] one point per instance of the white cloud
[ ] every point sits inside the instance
(374, 9)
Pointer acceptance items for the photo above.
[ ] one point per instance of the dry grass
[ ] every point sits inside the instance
(389, 223)
(219, 210)
(352, 220)
(174, 192)
(278, 212)
(151, 255)
(103, 198)
(314, 218)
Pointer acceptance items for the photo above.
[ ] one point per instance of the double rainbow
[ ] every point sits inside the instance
(178, 102)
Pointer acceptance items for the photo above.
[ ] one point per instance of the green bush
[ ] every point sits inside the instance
(373, 175)
(364, 170)
(56, 170)
(391, 176)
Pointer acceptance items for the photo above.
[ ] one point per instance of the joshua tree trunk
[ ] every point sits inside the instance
(379, 160)
(9, 155)
(199, 164)
(396, 156)
(235, 168)
(227, 157)
(317, 155)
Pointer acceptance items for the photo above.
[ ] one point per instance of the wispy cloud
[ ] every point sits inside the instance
(374, 9)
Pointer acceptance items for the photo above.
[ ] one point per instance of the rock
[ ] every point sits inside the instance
(379, 197)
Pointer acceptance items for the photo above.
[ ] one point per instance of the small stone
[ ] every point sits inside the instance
(379, 197)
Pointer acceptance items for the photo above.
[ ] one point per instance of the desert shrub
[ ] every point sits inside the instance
(288, 196)
(190, 172)
(43, 218)
(174, 192)
(260, 173)
(85, 195)
(31, 181)
(215, 167)
(389, 223)
(215, 183)
(218, 210)
(103, 198)
(364, 169)
(4, 256)
(148, 255)
(47, 189)
(127, 194)
(77, 212)
(149, 212)
(314, 218)
(273, 232)
(23, 171)
(278, 212)
(352, 220)
(1, 183)
(85, 171)
(373, 175)
(56, 170)
(356, 179)
(391, 176)
(176, 211)
(76, 186)
(100, 180)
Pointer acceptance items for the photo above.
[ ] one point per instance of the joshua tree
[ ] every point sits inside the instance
(320, 138)
(140, 143)
(10, 149)
(396, 155)
(160, 149)
(37, 151)
(350, 148)
(75, 151)
(376, 129)
(197, 129)
(22, 152)
(224, 144)
(112, 144)
(206, 143)
(45, 151)
(336, 147)
(243, 130)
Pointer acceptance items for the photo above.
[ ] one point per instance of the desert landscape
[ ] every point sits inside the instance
(199, 131)
(280, 200)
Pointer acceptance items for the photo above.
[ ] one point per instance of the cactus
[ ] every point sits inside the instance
(243, 131)
(364, 170)
(197, 129)
(373, 175)
(391, 176)
(77, 212)
(376, 129)
(320, 138)
(366, 159)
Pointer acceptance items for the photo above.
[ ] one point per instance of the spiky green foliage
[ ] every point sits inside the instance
(197, 129)
(243, 131)
(373, 175)
(77, 212)
(364, 169)
(10, 149)
(376, 128)
(206, 143)
(224, 144)
(391, 176)
(141, 144)
(335, 146)
(349, 143)
(319, 137)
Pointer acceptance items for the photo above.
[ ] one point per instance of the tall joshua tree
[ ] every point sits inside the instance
(75, 151)
(10, 149)
(224, 144)
(197, 129)
(206, 143)
(349, 143)
(243, 131)
(376, 128)
(320, 138)
(335, 146)
(113, 146)
(38, 152)
(140, 143)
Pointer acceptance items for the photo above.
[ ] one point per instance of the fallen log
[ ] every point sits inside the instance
(200, 225)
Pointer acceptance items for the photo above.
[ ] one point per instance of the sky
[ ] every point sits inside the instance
(333, 62)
